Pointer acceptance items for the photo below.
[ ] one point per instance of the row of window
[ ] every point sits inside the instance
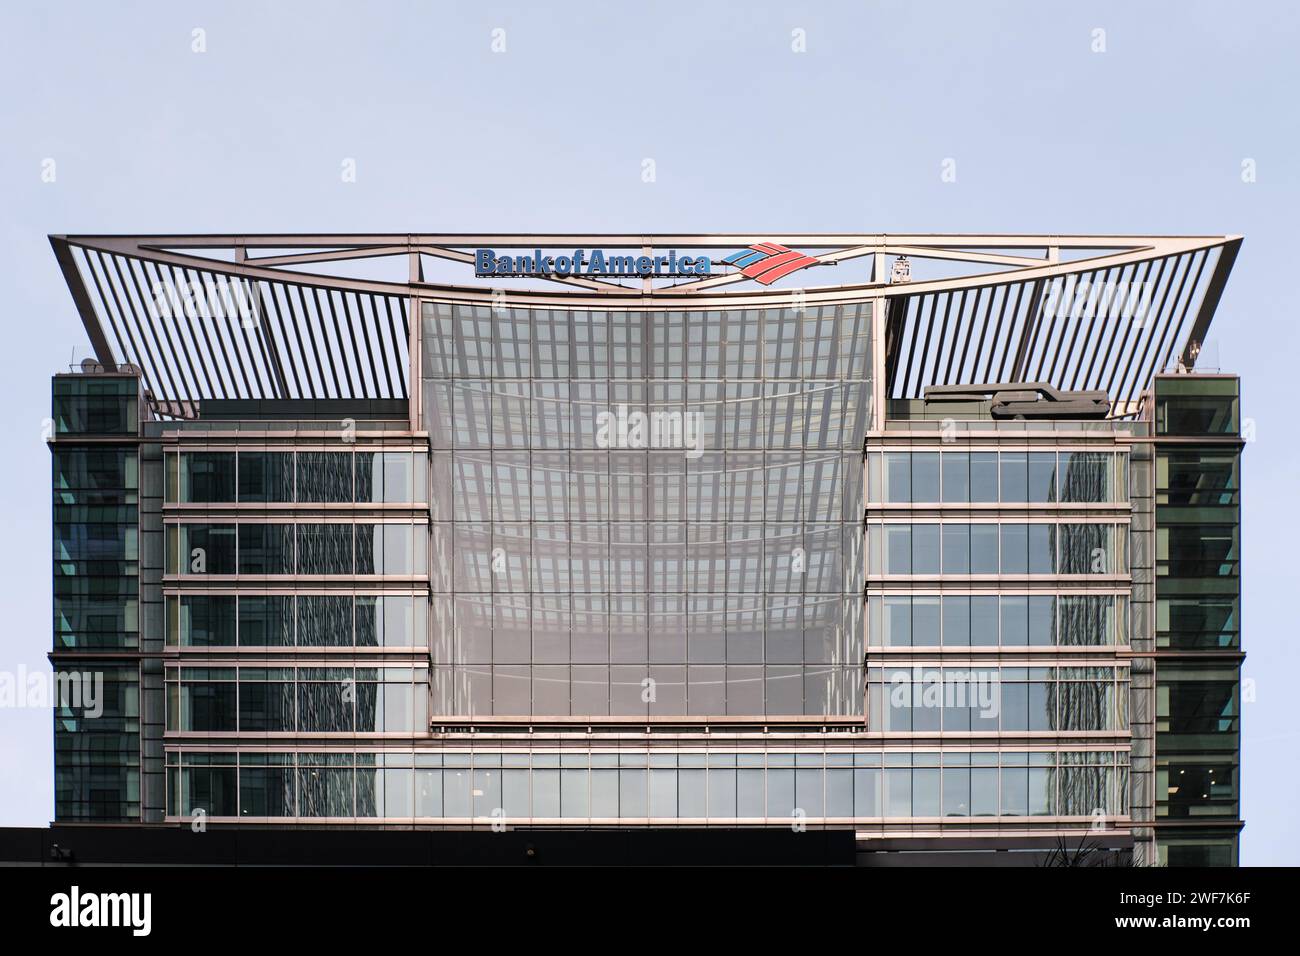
(1025, 785)
(832, 341)
(103, 535)
(1198, 705)
(989, 548)
(284, 548)
(96, 549)
(1008, 620)
(541, 628)
(305, 620)
(1200, 405)
(318, 700)
(1208, 621)
(1198, 548)
(927, 699)
(1198, 708)
(1198, 478)
(96, 404)
(99, 620)
(222, 477)
(337, 700)
(97, 758)
(95, 476)
(1009, 477)
(1196, 785)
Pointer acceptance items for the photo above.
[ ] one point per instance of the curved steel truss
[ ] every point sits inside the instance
(239, 317)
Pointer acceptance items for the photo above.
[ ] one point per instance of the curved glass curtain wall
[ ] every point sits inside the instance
(646, 512)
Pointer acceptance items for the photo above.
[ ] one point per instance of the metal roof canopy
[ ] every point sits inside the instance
(276, 332)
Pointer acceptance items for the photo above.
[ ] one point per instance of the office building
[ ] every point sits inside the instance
(933, 538)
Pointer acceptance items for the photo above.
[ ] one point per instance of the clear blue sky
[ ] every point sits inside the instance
(1048, 136)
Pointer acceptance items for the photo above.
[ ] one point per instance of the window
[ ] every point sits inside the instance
(956, 476)
(1087, 620)
(925, 476)
(208, 706)
(1042, 548)
(984, 549)
(1196, 406)
(897, 622)
(265, 621)
(1015, 620)
(266, 549)
(926, 620)
(266, 476)
(203, 621)
(1015, 548)
(1089, 549)
(324, 621)
(1042, 620)
(956, 621)
(325, 549)
(956, 549)
(898, 476)
(898, 549)
(1042, 476)
(1087, 476)
(1014, 477)
(925, 549)
(324, 476)
(984, 621)
(984, 476)
(201, 549)
(207, 477)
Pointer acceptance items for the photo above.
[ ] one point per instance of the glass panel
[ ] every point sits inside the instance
(266, 476)
(956, 476)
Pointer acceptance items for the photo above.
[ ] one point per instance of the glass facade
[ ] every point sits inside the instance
(285, 476)
(679, 533)
(337, 548)
(1197, 620)
(998, 560)
(646, 513)
(751, 786)
(304, 700)
(300, 619)
(96, 564)
(988, 477)
(294, 561)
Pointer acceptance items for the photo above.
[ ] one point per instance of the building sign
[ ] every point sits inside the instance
(594, 264)
(764, 262)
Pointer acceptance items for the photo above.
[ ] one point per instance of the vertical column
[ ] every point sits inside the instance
(1197, 627)
(97, 627)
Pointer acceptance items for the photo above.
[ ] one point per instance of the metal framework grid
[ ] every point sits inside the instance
(307, 335)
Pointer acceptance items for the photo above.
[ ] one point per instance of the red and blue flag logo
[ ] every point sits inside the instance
(765, 262)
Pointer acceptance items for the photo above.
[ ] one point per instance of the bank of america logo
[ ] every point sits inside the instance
(765, 262)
